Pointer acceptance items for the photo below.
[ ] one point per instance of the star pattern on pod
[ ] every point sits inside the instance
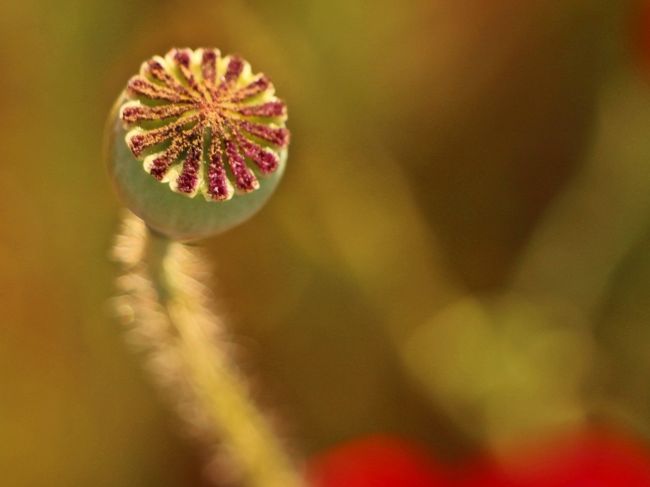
(204, 123)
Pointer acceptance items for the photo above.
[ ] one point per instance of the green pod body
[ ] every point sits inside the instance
(172, 214)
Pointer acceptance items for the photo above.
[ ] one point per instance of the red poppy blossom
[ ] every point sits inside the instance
(377, 461)
(589, 459)
(639, 26)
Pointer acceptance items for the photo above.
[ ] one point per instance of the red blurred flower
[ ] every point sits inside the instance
(640, 36)
(590, 459)
(378, 461)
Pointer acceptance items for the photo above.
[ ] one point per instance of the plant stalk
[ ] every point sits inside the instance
(192, 355)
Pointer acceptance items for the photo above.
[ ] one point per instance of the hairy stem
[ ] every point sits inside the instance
(166, 304)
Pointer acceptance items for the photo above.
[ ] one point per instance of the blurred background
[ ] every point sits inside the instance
(458, 254)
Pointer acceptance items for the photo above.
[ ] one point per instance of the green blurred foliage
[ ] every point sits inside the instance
(444, 152)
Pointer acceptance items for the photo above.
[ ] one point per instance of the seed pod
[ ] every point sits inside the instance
(196, 143)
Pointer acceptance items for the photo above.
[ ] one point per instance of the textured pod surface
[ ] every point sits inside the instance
(196, 142)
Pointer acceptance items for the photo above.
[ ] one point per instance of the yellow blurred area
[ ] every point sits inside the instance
(458, 252)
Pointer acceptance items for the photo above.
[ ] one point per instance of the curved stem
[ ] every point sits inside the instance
(591, 227)
(168, 307)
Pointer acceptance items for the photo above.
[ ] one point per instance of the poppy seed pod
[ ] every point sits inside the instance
(196, 143)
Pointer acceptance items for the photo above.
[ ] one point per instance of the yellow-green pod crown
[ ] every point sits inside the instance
(196, 142)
